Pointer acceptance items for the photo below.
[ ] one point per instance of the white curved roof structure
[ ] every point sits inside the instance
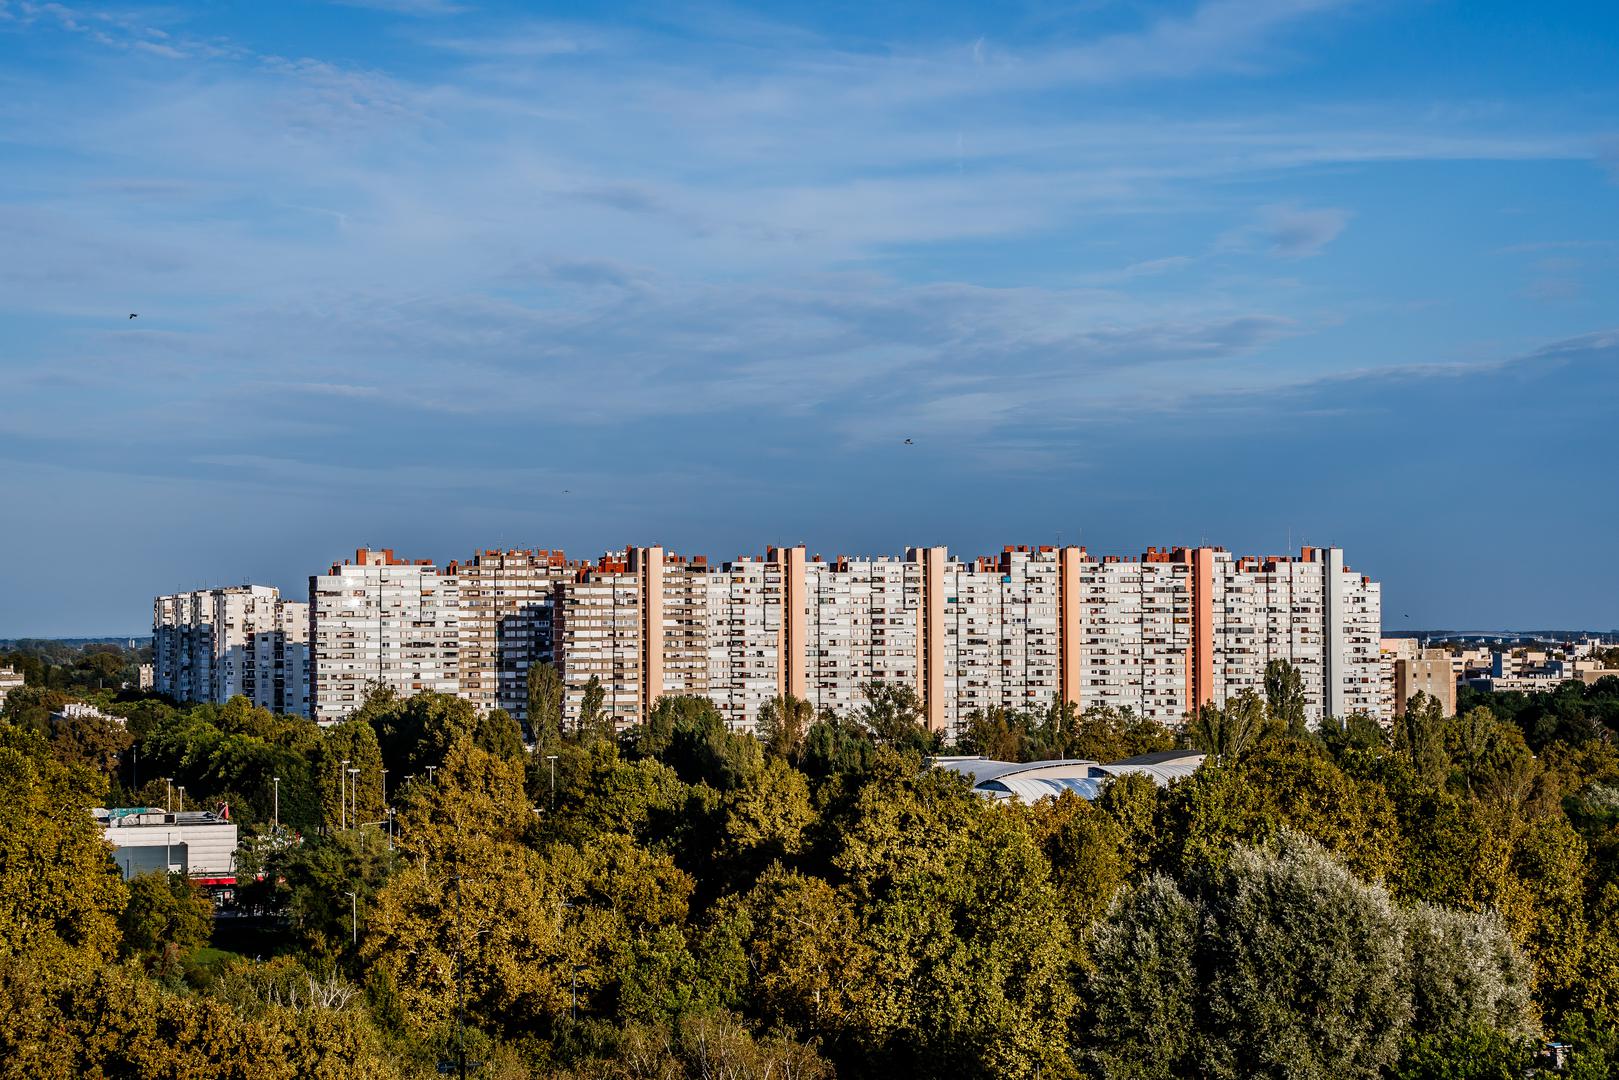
(1031, 781)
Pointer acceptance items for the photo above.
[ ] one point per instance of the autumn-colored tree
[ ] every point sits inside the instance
(60, 894)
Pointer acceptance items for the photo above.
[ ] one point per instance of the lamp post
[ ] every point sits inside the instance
(430, 769)
(342, 796)
(276, 814)
(384, 787)
(354, 918)
(181, 788)
(552, 758)
(168, 795)
(354, 798)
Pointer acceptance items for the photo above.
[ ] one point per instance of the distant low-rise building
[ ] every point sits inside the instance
(199, 844)
(9, 680)
(82, 710)
(1430, 673)
(1030, 781)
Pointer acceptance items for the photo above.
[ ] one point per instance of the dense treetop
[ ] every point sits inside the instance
(686, 900)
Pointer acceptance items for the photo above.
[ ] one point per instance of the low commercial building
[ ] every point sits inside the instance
(145, 839)
(1030, 781)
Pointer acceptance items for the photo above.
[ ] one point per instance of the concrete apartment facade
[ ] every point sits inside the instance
(382, 620)
(506, 608)
(211, 645)
(1430, 672)
(1161, 634)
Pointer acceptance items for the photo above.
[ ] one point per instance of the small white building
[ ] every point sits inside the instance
(199, 844)
(9, 680)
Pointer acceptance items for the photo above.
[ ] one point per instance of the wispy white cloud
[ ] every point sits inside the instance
(409, 7)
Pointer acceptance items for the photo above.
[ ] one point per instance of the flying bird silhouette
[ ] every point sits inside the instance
(132, 315)
(909, 443)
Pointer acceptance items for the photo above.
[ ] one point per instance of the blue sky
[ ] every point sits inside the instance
(1250, 272)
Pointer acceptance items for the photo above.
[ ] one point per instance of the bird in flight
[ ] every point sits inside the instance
(909, 443)
(132, 315)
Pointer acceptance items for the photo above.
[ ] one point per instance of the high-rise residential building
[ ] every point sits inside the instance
(601, 633)
(1160, 634)
(380, 620)
(211, 645)
(505, 624)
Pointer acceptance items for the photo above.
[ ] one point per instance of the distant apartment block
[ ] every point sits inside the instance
(382, 620)
(506, 607)
(211, 645)
(1160, 635)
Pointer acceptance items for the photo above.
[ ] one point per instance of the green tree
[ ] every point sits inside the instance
(166, 912)
(783, 722)
(497, 733)
(1227, 732)
(545, 696)
(348, 799)
(893, 713)
(1143, 987)
(1419, 739)
(798, 959)
(1284, 695)
(95, 742)
(1467, 975)
(971, 956)
(590, 709)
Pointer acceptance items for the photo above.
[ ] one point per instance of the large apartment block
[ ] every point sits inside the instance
(1159, 634)
(382, 620)
(211, 645)
(505, 624)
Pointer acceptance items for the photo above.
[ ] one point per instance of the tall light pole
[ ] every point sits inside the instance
(552, 758)
(168, 795)
(181, 788)
(276, 819)
(430, 769)
(354, 919)
(384, 787)
(342, 796)
(354, 798)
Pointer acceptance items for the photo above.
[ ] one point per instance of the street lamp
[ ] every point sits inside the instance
(384, 787)
(168, 795)
(181, 788)
(354, 797)
(342, 797)
(430, 769)
(354, 918)
(276, 819)
(552, 758)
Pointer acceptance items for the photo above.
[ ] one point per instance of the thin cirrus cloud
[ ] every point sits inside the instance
(758, 251)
